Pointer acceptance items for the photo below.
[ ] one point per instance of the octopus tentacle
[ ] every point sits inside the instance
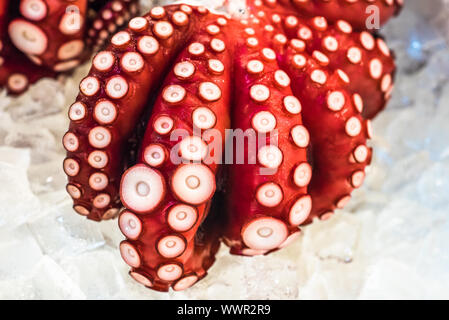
(51, 32)
(42, 37)
(17, 72)
(360, 13)
(4, 5)
(168, 193)
(365, 58)
(112, 98)
(339, 150)
(268, 197)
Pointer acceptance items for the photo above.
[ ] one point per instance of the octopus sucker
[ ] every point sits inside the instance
(240, 139)
(258, 204)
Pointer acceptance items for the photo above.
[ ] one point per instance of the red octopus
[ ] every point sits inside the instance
(41, 38)
(171, 85)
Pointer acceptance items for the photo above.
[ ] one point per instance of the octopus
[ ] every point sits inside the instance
(284, 91)
(42, 38)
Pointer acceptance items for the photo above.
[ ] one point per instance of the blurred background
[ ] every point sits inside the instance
(391, 242)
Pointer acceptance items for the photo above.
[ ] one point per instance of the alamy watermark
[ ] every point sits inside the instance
(240, 147)
(372, 22)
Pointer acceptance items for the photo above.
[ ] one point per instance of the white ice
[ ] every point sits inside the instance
(391, 242)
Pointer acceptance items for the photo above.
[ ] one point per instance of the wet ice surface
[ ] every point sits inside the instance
(391, 242)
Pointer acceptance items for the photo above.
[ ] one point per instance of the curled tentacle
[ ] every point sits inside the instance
(51, 32)
(337, 130)
(112, 98)
(170, 191)
(269, 176)
(365, 58)
(17, 72)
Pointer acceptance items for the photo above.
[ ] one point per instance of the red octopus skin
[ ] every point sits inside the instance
(189, 75)
(3, 12)
(364, 57)
(55, 36)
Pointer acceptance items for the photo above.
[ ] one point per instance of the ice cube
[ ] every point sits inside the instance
(336, 238)
(391, 279)
(48, 176)
(111, 233)
(19, 252)
(97, 273)
(43, 98)
(61, 232)
(225, 277)
(18, 201)
(46, 282)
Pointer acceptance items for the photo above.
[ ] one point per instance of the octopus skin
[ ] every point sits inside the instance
(3, 13)
(42, 38)
(150, 126)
